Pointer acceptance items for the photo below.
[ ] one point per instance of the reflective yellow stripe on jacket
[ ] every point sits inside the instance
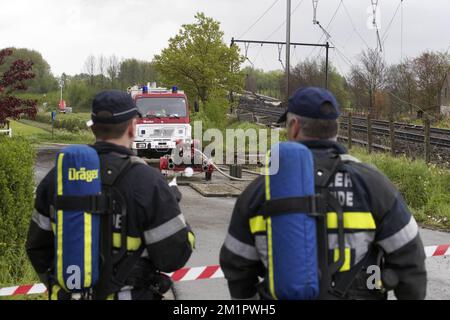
(352, 220)
(133, 243)
(59, 230)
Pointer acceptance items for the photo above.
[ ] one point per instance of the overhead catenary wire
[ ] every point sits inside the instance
(280, 49)
(260, 18)
(409, 103)
(353, 25)
(401, 31)
(375, 24)
(246, 47)
(386, 33)
(326, 28)
(284, 22)
(278, 28)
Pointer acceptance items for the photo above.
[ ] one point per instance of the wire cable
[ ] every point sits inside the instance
(353, 26)
(401, 32)
(284, 22)
(386, 33)
(278, 28)
(259, 19)
(375, 24)
(409, 103)
(326, 28)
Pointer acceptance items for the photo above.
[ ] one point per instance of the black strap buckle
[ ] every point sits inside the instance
(97, 204)
(305, 205)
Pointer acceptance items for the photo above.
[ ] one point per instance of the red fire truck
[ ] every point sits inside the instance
(164, 127)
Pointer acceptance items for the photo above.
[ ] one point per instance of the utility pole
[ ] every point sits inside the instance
(327, 65)
(288, 50)
(61, 85)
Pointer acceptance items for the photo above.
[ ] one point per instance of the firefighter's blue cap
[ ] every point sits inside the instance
(112, 107)
(312, 102)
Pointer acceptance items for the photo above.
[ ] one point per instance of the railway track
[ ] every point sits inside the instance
(403, 131)
(400, 125)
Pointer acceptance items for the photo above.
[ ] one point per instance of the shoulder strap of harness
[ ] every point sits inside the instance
(326, 168)
(116, 268)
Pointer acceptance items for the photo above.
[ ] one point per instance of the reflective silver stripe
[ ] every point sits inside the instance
(261, 248)
(124, 295)
(144, 254)
(358, 241)
(119, 113)
(241, 249)
(347, 157)
(165, 230)
(125, 112)
(255, 297)
(400, 238)
(42, 221)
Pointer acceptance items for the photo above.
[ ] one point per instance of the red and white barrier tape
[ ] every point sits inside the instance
(190, 274)
(436, 251)
(185, 274)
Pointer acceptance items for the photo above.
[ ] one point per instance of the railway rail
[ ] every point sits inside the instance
(403, 131)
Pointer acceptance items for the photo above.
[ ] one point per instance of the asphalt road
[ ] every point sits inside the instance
(209, 217)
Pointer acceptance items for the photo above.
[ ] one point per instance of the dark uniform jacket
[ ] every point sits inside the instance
(374, 213)
(154, 220)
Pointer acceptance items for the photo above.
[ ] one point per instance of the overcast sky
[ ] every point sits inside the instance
(67, 31)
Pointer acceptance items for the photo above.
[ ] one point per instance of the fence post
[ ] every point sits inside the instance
(427, 139)
(236, 170)
(350, 129)
(392, 133)
(369, 132)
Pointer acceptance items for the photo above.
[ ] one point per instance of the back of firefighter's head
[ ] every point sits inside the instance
(114, 116)
(312, 114)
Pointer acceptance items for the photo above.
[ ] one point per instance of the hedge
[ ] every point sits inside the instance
(16, 204)
(74, 122)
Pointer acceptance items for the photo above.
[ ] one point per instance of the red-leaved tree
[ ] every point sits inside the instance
(11, 81)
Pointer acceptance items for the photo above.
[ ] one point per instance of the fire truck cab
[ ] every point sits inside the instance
(165, 120)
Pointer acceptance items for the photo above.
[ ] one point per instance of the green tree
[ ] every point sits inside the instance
(430, 69)
(312, 73)
(265, 83)
(198, 60)
(402, 83)
(133, 71)
(80, 94)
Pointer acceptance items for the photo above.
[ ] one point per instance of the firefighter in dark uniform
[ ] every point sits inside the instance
(156, 228)
(378, 227)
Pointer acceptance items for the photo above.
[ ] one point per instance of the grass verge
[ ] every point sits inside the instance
(425, 187)
(38, 133)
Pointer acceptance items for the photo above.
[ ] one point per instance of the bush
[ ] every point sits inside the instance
(80, 95)
(424, 187)
(213, 113)
(73, 122)
(16, 205)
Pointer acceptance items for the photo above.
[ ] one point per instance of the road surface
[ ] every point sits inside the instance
(209, 217)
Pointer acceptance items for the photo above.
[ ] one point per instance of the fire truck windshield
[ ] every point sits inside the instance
(162, 107)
